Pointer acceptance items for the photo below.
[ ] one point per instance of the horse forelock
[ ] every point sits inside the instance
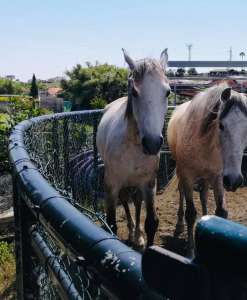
(144, 66)
(215, 109)
(236, 100)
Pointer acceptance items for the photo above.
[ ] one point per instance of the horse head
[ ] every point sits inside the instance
(148, 91)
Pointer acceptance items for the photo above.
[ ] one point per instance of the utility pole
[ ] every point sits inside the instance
(230, 54)
(189, 46)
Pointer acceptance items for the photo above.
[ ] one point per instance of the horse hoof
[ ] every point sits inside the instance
(221, 213)
(179, 229)
(140, 244)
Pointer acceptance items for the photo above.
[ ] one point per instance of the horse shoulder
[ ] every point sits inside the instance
(111, 126)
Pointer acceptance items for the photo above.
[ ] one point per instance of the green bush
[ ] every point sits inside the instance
(94, 82)
(7, 271)
(6, 252)
(98, 103)
(18, 109)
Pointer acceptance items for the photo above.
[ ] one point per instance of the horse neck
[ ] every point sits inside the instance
(132, 131)
(211, 139)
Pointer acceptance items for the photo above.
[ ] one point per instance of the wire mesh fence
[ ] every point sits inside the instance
(63, 149)
(58, 201)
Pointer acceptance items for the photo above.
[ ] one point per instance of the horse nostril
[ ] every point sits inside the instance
(232, 182)
(239, 181)
(226, 181)
(152, 145)
(144, 142)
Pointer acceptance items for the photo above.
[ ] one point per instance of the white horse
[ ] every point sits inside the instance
(129, 139)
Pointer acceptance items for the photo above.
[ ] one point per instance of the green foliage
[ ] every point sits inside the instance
(104, 81)
(6, 252)
(34, 88)
(17, 110)
(98, 103)
(192, 71)
(11, 87)
(7, 271)
(180, 72)
(5, 122)
(170, 73)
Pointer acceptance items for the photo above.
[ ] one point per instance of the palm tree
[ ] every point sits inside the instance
(242, 55)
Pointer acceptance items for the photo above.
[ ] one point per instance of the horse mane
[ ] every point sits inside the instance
(142, 67)
(213, 108)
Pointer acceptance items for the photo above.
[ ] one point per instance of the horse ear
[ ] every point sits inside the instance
(226, 94)
(129, 60)
(164, 59)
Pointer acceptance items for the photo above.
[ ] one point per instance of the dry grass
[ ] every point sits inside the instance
(7, 271)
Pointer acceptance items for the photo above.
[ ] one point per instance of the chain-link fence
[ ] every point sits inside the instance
(64, 247)
(58, 197)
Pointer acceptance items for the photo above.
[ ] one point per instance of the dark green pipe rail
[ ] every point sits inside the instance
(117, 266)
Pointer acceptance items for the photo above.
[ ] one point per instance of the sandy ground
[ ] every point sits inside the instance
(167, 206)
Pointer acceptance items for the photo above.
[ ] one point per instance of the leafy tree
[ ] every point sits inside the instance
(11, 87)
(192, 71)
(100, 81)
(242, 55)
(170, 73)
(34, 88)
(180, 72)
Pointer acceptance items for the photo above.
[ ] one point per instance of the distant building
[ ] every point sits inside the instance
(53, 91)
(10, 77)
(223, 72)
(54, 79)
(48, 99)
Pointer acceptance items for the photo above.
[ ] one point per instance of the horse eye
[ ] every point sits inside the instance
(168, 93)
(221, 126)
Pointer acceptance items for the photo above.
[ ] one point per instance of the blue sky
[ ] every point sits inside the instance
(47, 37)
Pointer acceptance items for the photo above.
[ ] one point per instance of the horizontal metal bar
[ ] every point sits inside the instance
(221, 245)
(207, 64)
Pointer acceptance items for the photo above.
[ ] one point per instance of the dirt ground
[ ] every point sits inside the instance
(167, 206)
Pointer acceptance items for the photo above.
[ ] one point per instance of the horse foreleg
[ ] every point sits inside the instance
(190, 216)
(204, 197)
(139, 239)
(110, 205)
(180, 222)
(219, 198)
(124, 197)
(152, 221)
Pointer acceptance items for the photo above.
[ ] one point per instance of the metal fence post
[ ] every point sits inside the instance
(23, 221)
(95, 163)
(66, 153)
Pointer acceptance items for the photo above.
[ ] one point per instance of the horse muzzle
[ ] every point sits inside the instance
(232, 182)
(151, 145)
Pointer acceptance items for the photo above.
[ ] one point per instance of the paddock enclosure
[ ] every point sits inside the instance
(65, 249)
